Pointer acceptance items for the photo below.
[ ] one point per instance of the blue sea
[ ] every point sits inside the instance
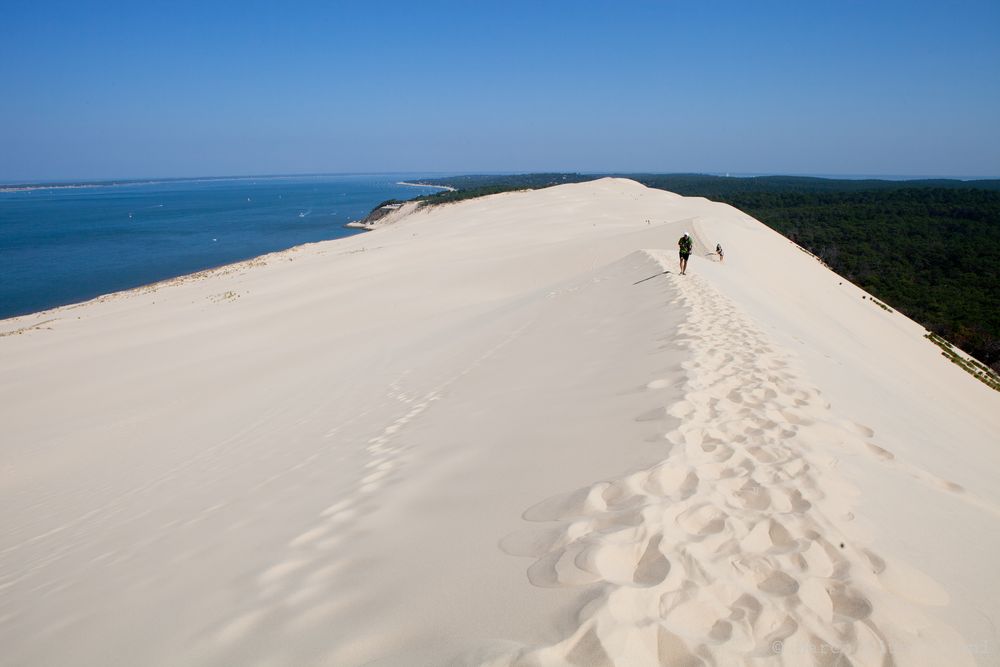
(62, 243)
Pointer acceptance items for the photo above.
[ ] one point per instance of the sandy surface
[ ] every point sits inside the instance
(503, 432)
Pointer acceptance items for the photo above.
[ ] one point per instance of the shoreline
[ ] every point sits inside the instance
(446, 188)
(357, 225)
(44, 291)
(145, 288)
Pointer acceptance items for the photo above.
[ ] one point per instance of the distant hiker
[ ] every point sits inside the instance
(718, 251)
(685, 243)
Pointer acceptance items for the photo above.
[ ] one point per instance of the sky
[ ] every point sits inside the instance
(160, 89)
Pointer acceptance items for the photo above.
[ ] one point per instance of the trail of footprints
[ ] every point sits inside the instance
(292, 597)
(728, 551)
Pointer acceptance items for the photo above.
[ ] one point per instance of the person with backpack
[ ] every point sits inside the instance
(718, 251)
(685, 244)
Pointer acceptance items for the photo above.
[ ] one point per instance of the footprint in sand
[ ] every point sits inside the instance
(716, 451)
(860, 429)
(672, 481)
(882, 454)
(877, 564)
(653, 566)
(752, 496)
(703, 520)
(848, 602)
(778, 583)
(769, 537)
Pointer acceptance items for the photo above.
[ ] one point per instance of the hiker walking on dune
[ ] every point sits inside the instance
(685, 243)
(718, 251)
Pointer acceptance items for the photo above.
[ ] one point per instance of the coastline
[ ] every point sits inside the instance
(149, 288)
(195, 275)
(228, 267)
(446, 188)
(126, 235)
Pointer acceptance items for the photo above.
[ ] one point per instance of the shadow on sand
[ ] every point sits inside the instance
(651, 277)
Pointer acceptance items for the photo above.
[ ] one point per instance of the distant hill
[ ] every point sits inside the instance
(929, 248)
(468, 187)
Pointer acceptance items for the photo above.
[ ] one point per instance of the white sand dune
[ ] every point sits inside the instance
(500, 432)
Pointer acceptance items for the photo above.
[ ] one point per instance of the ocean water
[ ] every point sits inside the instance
(65, 243)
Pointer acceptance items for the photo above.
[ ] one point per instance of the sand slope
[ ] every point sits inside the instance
(500, 432)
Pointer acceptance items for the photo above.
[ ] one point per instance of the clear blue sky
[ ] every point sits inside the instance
(137, 89)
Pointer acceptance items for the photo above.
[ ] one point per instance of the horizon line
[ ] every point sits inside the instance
(138, 180)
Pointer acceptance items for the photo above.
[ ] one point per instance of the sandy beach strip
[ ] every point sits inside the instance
(498, 432)
(446, 188)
